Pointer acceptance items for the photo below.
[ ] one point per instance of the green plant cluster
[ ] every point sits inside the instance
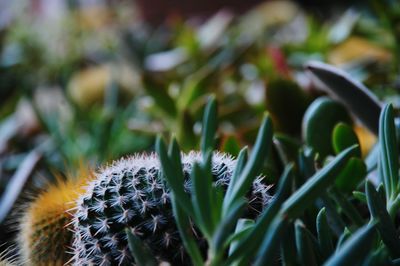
(319, 215)
(302, 224)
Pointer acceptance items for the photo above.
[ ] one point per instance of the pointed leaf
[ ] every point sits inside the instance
(325, 237)
(270, 244)
(139, 250)
(185, 231)
(227, 225)
(360, 101)
(172, 175)
(256, 160)
(384, 224)
(316, 185)
(355, 249)
(304, 245)
(201, 200)
(250, 243)
(389, 153)
(209, 126)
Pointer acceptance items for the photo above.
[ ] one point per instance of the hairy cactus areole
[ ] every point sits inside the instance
(131, 193)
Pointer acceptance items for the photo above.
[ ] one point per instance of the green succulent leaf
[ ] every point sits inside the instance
(389, 165)
(271, 242)
(227, 225)
(304, 245)
(174, 178)
(347, 207)
(325, 237)
(210, 126)
(383, 220)
(287, 148)
(379, 257)
(360, 196)
(343, 136)
(343, 237)
(288, 246)
(250, 243)
(316, 185)
(355, 249)
(243, 228)
(184, 227)
(336, 222)
(202, 198)
(352, 175)
(139, 251)
(254, 164)
(318, 123)
(240, 164)
(181, 216)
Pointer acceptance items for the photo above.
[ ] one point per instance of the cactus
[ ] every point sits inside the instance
(45, 233)
(130, 193)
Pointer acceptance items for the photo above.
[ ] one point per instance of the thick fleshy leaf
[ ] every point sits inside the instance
(343, 137)
(354, 172)
(318, 123)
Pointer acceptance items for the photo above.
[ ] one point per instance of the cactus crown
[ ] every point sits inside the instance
(131, 193)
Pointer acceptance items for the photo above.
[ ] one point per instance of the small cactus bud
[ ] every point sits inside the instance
(131, 193)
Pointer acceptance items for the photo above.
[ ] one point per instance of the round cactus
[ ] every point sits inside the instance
(45, 228)
(131, 193)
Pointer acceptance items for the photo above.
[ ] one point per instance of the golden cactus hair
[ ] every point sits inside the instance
(45, 235)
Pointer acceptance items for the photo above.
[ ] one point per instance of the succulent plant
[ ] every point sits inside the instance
(205, 208)
(131, 193)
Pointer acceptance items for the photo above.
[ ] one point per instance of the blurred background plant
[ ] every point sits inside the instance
(85, 82)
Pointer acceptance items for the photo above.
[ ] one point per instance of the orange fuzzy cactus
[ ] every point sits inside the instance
(45, 235)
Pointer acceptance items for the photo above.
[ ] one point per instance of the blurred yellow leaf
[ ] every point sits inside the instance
(268, 14)
(366, 138)
(357, 49)
(88, 86)
(94, 17)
